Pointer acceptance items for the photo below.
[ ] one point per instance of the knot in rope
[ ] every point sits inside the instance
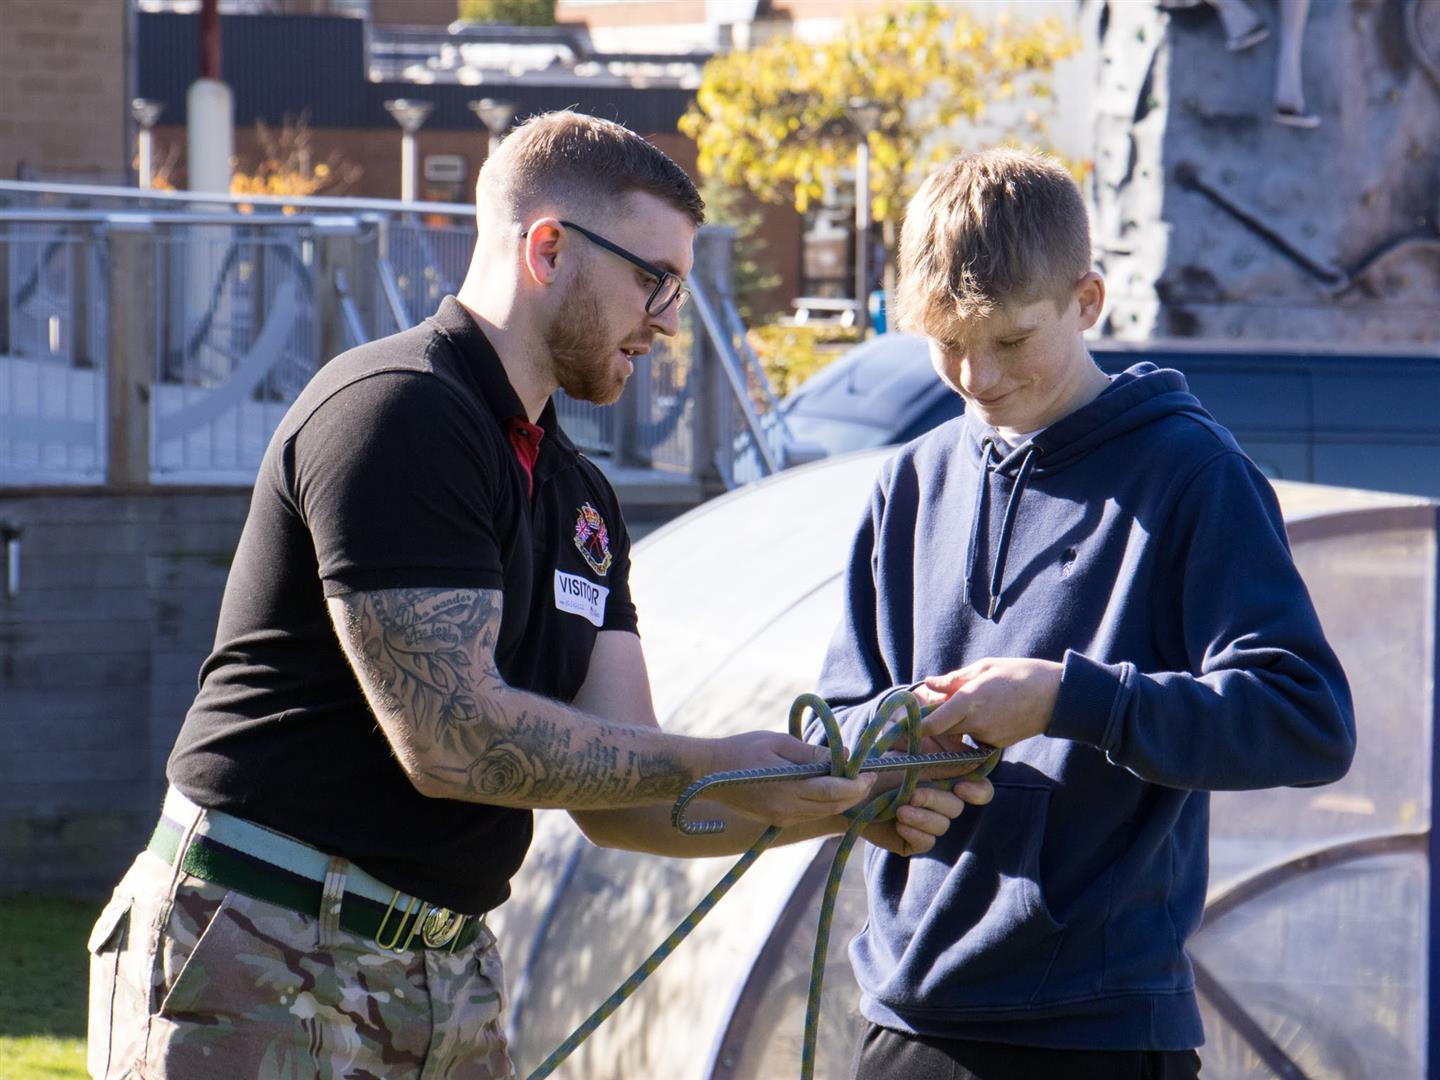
(876, 739)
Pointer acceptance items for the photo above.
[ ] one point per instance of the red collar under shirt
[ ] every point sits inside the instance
(525, 439)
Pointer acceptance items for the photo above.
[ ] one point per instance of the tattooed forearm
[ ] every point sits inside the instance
(551, 764)
(426, 658)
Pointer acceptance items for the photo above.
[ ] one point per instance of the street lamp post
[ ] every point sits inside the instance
(496, 116)
(410, 114)
(865, 115)
(145, 112)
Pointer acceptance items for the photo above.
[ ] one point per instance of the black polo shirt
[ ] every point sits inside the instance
(393, 469)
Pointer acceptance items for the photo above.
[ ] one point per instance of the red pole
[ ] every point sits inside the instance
(210, 39)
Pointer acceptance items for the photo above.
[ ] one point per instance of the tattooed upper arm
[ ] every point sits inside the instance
(425, 659)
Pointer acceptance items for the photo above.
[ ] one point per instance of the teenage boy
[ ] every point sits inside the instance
(1097, 579)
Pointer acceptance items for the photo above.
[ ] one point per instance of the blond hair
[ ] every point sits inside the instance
(987, 230)
(579, 162)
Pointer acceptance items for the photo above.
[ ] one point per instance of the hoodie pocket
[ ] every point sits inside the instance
(970, 930)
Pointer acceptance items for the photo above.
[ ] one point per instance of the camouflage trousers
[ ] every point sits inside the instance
(191, 981)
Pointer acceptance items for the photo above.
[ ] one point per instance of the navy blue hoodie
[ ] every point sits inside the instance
(1135, 543)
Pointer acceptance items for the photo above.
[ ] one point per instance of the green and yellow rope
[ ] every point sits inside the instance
(875, 740)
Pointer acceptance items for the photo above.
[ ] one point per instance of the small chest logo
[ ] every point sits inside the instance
(592, 540)
(1067, 561)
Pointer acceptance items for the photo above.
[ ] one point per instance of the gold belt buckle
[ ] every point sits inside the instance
(437, 927)
(442, 927)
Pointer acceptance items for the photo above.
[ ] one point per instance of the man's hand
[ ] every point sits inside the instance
(925, 818)
(998, 702)
(783, 802)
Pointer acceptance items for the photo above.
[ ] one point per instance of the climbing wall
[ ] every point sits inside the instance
(1212, 220)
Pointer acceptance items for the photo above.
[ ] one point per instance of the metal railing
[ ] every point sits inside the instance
(237, 339)
(52, 392)
(158, 337)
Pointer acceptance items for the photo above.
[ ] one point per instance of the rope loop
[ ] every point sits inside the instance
(877, 738)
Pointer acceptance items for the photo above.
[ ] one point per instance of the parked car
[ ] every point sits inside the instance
(880, 392)
(1354, 419)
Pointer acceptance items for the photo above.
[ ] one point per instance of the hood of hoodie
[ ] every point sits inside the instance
(1140, 395)
(1135, 397)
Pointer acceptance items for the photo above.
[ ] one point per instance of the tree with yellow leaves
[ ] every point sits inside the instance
(285, 165)
(773, 120)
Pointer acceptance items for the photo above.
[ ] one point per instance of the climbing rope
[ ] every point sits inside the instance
(878, 737)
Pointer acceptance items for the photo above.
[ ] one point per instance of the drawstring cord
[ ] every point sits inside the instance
(1007, 523)
(978, 517)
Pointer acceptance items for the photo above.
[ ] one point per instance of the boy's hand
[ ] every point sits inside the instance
(995, 701)
(926, 817)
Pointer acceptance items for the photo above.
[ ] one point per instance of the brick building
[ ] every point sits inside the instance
(64, 84)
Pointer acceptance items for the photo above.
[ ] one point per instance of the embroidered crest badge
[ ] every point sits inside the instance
(592, 540)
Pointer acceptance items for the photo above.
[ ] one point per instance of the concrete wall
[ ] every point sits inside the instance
(414, 12)
(99, 653)
(1215, 221)
(63, 98)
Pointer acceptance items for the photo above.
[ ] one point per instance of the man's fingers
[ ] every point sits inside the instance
(837, 789)
(949, 771)
(938, 800)
(975, 790)
(799, 753)
(918, 819)
(917, 841)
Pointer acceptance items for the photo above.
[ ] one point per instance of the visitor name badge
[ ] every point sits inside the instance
(580, 596)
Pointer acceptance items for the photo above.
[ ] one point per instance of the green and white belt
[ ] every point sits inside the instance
(248, 858)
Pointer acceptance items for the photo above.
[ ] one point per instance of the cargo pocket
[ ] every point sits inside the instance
(232, 972)
(189, 975)
(467, 1002)
(104, 1030)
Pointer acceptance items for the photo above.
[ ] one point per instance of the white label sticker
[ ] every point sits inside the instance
(580, 596)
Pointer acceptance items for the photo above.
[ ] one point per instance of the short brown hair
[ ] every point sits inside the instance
(578, 160)
(989, 229)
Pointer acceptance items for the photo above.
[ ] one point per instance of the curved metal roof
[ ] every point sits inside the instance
(1318, 938)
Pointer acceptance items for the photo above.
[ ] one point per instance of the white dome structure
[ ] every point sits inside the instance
(1313, 955)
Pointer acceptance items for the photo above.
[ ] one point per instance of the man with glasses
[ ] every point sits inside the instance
(669, 288)
(427, 633)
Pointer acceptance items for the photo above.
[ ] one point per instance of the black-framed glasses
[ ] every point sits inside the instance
(669, 288)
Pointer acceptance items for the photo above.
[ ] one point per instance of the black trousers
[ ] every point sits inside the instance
(882, 1054)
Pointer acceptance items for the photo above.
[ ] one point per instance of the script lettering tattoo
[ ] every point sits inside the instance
(429, 658)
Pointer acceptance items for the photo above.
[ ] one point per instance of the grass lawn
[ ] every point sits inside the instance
(43, 973)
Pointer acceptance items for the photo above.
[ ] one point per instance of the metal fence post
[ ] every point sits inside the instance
(629, 448)
(80, 301)
(131, 352)
(338, 249)
(714, 428)
(7, 248)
